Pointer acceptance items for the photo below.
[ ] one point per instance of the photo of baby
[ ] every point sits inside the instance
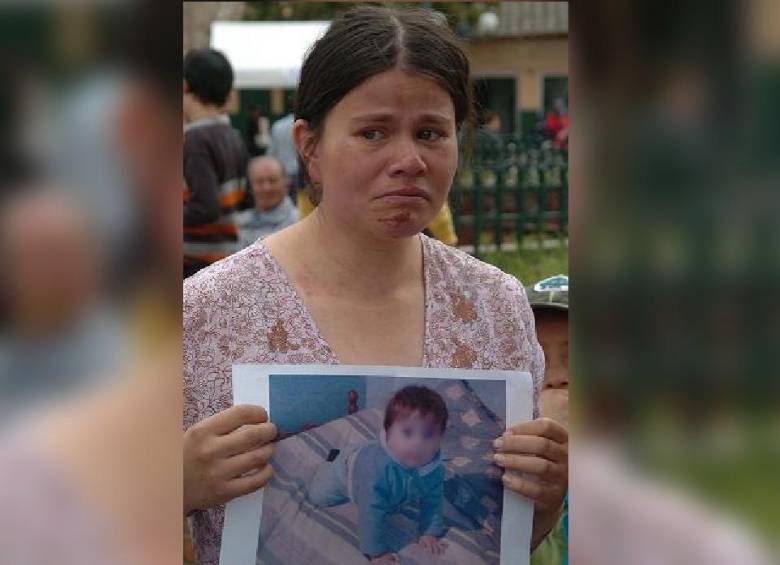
(383, 469)
(379, 476)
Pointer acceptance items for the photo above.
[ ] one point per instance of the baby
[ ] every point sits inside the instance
(379, 476)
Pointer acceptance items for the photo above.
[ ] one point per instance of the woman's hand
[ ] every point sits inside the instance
(226, 456)
(540, 450)
(432, 545)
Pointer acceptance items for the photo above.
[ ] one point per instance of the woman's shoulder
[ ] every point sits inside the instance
(450, 266)
(224, 283)
(230, 271)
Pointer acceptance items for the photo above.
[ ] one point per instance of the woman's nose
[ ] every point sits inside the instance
(408, 162)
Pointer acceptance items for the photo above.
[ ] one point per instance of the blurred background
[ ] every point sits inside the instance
(90, 244)
(674, 248)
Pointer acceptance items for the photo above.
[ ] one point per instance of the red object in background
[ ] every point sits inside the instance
(554, 123)
(556, 128)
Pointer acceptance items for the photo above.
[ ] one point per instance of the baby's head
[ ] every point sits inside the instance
(415, 420)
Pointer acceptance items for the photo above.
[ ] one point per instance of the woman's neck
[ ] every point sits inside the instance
(345, 261)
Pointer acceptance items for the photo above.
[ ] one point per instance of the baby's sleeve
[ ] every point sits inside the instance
(431, 506)
(372, 509)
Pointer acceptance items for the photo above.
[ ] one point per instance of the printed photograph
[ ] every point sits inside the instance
(383, 470)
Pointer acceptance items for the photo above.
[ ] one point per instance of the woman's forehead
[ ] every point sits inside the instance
(386, 94)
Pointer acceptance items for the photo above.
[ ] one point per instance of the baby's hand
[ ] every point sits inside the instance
(385, 558)
(432, 545)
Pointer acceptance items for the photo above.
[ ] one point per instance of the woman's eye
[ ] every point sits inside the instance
(371, 134)
(428, 135)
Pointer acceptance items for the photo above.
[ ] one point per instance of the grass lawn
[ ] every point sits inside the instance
(531, 265)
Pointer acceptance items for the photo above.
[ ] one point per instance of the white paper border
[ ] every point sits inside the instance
(241, 531)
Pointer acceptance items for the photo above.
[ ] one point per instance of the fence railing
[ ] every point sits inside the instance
(511, 194)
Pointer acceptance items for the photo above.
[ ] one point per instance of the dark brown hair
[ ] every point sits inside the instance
(369, 40)
(420, 399)
(209, 75)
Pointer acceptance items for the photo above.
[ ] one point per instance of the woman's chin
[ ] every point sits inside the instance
(402, 224)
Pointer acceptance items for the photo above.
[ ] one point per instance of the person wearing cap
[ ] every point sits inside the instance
(549, 300)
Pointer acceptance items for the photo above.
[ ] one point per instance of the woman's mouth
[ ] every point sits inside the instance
(410, 195)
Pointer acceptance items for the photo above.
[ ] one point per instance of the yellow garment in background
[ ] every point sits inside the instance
(305, 207)
(441, 227)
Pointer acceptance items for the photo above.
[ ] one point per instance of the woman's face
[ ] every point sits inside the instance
(387, 155)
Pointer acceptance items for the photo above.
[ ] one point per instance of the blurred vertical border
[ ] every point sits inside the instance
(90, 151)
(675, 261)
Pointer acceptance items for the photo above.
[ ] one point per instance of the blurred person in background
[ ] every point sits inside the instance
(549, 300)
(274, 209)
(215, 159)
(59, 333)
(95, 477)
(556, 124)
(282, 148)
(488, 144)
(493, 122)
(256, 132)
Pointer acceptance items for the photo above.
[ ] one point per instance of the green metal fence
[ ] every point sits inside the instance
(510, 191)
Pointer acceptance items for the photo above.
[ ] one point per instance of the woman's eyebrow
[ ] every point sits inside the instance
(383, 117)
(429, 117)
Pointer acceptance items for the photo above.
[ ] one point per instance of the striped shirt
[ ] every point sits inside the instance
(215, 161)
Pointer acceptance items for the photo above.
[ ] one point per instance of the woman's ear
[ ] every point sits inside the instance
(306, 144)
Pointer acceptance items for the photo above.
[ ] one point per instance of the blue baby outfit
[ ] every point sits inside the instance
(369, 476)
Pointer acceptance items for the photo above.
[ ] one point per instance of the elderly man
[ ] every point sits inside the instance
(274, 209)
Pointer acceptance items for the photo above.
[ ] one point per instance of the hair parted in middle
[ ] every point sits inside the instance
(369, 40)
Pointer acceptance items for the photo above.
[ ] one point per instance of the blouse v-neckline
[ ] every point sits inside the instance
(311, 323)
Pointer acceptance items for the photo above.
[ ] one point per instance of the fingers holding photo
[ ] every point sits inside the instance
(535, 458)
(541, 427)
(236, 416)
(247, 483)
(544, 469)
(220, 450)
(247, 438)
(543, 438)
(244, 463)
(545, 496)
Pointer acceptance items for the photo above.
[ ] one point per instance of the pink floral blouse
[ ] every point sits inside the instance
(244, 309)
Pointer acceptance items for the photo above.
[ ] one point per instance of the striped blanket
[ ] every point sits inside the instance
(293, 532)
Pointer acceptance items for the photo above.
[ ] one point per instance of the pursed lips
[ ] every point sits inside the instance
(412, 192)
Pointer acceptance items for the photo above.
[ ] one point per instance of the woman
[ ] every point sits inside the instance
(380, 101)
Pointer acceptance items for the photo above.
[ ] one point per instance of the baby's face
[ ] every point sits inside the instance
(414, 440)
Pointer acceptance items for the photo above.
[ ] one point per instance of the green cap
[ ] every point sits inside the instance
(552, 292)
